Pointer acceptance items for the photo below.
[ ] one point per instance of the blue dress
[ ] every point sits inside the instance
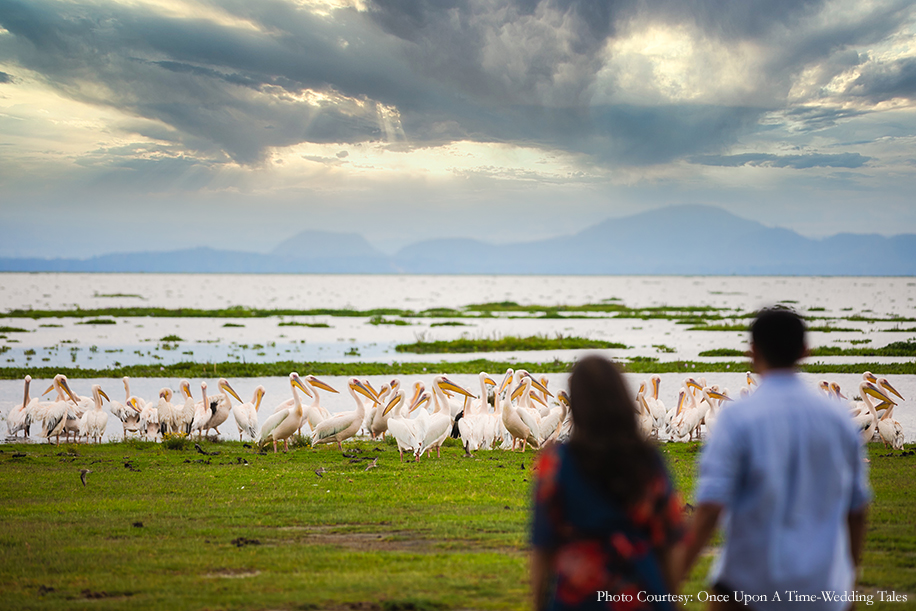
(598, 545)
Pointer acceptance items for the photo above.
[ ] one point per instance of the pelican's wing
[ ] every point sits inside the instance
(271, 424)
(332, 426)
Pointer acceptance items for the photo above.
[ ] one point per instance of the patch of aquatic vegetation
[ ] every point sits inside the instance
(509, 343)
(233, 325)
(907, 348)
(313, 325)
(378, 319)
(664, 349)
(13, 330)
(724, 352)
(118, 295)
(718, 328)
(449, 323)
(98, 321)
(171, 338)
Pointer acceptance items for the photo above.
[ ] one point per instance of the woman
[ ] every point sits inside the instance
(606, 520)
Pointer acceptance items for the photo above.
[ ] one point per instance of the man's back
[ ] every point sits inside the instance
(786, 464)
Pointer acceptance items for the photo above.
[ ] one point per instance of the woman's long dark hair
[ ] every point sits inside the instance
(606, 441)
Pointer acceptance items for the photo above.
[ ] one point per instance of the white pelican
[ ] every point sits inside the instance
(379, 424)
(95, 421)
(655, 405)
(20, 417)
(169, 414)
(57, 413)
(644, 420)
(868, 422)
(282, 424)
(716, 402)
(342, 426)
(246, 414)
(129, 416)
(406, 432)
(224, 407)
(439, 424)
(551, 423)
(751, 382)
(890, 431)
(203, 411)
(149, 418)
(315, 413)
(688, 417)
(514, 424)
(473, 424)
(184, 415)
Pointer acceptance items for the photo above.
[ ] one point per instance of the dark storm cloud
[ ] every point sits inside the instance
(6, 78)
(887, 81)
(521, 71)
(798, 162)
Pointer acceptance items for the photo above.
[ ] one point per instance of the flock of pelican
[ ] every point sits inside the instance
(518, 412)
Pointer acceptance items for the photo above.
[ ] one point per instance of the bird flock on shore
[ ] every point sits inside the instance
(518, 412)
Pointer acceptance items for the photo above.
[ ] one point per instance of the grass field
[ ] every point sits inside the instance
(156, 528)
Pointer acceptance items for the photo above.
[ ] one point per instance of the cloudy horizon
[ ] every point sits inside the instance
(164, 124)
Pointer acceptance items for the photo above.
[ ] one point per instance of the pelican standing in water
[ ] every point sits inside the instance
(203, 411)
(246, 414)
(223, 407)
(341, 427)
(95, 421)
(56, 414)
(129, 416)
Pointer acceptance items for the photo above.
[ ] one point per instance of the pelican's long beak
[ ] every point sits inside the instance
(715, 394)
(393, 404)
(316, 382)
(519, 390)
(257, 403)
(489, 380)
(871, 389)
(225, 386)
(537, 398)
(368, 386)
(447, 384)
(680, 401)
(102, 392)
(563, 397)
(296, 381)
(417, 391)
(423, 398)
(361, 389)
(887, 385)
(50, 388)
(66, 386)
(540, 386)
(750, 380)
(694, 383)
(133, 403)
(506, 381)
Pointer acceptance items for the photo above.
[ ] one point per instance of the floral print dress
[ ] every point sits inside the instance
(599, 546)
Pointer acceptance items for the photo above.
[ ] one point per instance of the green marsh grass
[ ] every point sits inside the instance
(162, 528)
(506, 344)
(232, 369)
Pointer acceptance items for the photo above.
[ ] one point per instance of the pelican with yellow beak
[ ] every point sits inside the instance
(246, 414)
(95, 421)
(224, 407)
(57, 413)
(406, 432)
(282, 424)
(342, 426)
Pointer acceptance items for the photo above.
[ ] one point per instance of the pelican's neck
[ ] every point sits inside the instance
(315, 398)
(97, 398)
(297, 402)
(360, 406)
(126, 388)
(484, 403)
(441, 399)
(655, 385)
(25, 398)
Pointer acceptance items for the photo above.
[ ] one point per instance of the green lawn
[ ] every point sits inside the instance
(175, 529)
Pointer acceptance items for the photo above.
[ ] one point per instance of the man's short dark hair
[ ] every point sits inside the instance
(778, 334)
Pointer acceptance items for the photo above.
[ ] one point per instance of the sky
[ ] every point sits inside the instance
(162, 124)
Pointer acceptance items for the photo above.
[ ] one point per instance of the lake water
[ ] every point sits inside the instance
(66, 343)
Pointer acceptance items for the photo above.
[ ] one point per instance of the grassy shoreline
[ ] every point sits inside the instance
(282, 368)
(157, 528)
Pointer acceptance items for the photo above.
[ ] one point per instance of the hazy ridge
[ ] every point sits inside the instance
(696, 240)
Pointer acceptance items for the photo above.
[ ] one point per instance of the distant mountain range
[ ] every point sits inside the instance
(693, 240)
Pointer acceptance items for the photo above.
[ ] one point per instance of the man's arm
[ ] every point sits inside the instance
(856, 521)
(540, 571)
(704, 523)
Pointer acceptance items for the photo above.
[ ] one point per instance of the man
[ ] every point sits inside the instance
(785, 472)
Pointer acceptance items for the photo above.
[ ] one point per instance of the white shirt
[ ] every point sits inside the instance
(787, 465)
